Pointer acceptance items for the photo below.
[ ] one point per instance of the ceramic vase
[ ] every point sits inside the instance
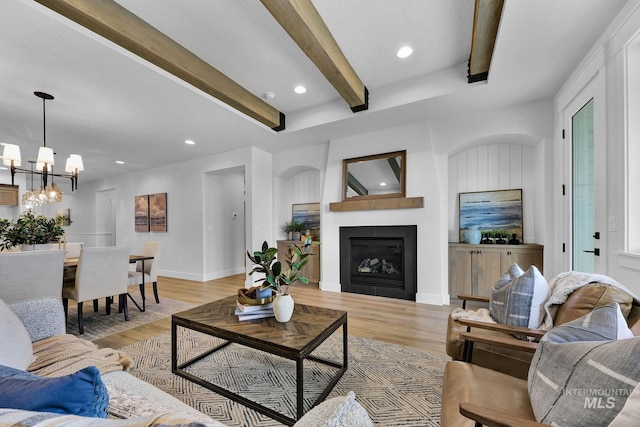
(472, 235)
(283, 308)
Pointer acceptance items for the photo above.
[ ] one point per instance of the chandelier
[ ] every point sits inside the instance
(43, 167)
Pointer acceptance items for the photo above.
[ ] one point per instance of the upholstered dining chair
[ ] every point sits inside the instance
(101, 273)
(31, 274)
(150, 273)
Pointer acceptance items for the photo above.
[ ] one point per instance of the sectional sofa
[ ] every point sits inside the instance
(50, 378)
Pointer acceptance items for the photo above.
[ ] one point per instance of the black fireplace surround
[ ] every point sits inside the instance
(379, 260)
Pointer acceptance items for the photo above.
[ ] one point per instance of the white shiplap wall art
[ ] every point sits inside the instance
(488, 168)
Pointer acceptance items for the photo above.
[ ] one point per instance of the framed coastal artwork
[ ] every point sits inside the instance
(158, 212)
(491, 211)
(308, 214)
(141, 212)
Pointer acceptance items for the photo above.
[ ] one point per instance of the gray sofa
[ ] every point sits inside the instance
(33, 297)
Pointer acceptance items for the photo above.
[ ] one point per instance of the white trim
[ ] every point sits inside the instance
(628, 260)
(330, 287)
(432, 299)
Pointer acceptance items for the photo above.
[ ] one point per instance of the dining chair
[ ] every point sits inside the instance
(150, 273)
(31, 274)
(73, 249)
(101, 273)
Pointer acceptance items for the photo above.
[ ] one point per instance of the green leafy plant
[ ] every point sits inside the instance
(29, 229)
(279, 275)
(291, 227)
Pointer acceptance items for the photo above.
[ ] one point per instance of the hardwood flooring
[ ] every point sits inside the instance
(385, 319)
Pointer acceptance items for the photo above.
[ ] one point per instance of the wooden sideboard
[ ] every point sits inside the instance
(473, 269)
(312, 270)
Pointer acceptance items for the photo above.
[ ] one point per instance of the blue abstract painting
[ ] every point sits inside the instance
(492, 210)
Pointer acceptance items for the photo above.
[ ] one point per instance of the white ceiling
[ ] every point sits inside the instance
(110, 105)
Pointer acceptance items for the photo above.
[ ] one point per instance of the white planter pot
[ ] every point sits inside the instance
(283, 308)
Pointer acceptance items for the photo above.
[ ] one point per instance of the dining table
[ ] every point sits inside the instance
(70, 264)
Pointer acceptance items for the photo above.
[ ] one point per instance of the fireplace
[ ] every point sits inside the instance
(379, 260)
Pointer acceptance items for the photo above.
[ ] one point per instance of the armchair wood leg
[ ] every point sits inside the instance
(65, 305)
(107, 302)
(155, 292)
(95, 305)
(80, 319)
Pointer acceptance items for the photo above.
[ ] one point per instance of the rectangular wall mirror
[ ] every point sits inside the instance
(377, 176)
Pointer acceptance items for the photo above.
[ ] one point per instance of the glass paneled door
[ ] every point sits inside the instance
(583, 189)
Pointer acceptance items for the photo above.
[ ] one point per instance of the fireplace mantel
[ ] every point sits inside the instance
(377, 203)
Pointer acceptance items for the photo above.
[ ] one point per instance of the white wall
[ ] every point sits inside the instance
(298, 177)
(464, 137)
(423, 180)
(489, 168)
(607, 58)
(224, 222)
(195, 189)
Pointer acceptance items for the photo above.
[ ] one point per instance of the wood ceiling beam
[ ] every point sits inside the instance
(115, 23)
(305, 26)
(486, 20)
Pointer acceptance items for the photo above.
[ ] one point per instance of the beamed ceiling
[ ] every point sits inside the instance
(133, 79)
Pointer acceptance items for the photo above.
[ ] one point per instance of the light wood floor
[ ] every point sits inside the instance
(385, 319)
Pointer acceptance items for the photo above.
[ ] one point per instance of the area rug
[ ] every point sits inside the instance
(99, 325)
(399, 386)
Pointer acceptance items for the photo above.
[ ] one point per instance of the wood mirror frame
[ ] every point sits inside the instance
(362, 176)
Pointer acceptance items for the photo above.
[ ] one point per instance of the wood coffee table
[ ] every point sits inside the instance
(295, 340)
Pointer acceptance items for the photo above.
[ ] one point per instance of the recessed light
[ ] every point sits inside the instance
(189, 142)
(120, 162)
(300, 89)
(382, 184)
(270, 95)
(404, 51)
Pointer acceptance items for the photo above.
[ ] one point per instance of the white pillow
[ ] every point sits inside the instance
(16, 350)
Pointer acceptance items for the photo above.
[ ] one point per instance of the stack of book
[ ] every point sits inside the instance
(248, 312)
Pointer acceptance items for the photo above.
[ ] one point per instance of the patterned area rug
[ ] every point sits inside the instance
(399, 386)
(99, 325)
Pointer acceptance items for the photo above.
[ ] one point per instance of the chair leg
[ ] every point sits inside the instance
(155, 292)
(95, 305)
(125, 306)
(144, 297)
(80, 319)
(65, 305)
(107, 302)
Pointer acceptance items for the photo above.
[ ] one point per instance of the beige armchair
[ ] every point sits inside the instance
(101, 273)
(493, 345)
(150, 273)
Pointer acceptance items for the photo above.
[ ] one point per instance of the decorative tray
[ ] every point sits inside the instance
(247, 296)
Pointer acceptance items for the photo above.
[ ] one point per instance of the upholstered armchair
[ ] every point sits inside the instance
(583, 372)
(495, 346)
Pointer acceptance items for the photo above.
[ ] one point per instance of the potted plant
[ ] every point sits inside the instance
(280, 275)
(29, 230)
(292, 230)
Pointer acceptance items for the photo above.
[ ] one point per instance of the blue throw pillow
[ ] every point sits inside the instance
(81, 393)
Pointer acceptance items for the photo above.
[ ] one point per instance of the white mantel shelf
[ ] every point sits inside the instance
(378, 203)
